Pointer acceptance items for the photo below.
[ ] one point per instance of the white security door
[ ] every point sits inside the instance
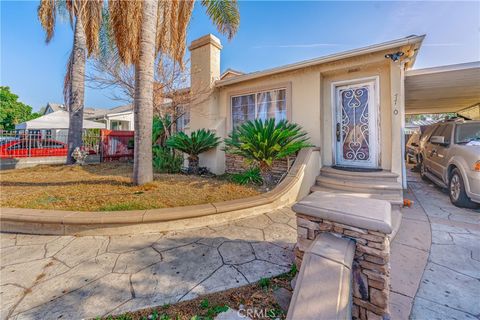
(356, 130)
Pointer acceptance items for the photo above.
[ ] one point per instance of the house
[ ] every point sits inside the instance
(351, 104)
(118, 118)
(122, 117)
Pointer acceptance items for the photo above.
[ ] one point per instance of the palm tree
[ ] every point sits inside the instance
(199, 141)
(144, 29)
(86, 17)
(262, 142)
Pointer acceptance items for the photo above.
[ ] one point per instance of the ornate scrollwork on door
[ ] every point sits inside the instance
(355, 123)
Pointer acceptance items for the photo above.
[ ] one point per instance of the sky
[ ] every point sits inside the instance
(271, 34)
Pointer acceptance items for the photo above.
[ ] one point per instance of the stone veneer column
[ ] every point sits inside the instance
(371, 268)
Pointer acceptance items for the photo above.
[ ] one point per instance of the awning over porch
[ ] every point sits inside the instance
(442, 89)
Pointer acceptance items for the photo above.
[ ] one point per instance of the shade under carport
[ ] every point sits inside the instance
(442, 89)
(56, 120)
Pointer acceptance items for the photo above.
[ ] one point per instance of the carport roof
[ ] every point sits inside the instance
(442, 89)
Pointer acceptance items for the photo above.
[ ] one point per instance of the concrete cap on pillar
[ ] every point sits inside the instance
(207, 39)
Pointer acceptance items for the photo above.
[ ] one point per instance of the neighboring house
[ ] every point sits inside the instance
(351, 104)
(230, 73)
(52, 107)
(119, 118)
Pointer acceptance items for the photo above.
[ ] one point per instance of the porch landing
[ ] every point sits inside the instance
(381, 185)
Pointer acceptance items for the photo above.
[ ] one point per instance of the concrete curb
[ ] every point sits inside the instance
(54, 222)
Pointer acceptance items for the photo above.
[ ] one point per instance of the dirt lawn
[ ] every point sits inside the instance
(108, 187)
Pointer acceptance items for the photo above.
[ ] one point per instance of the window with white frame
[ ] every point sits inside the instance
(183, 120)
(259, 105)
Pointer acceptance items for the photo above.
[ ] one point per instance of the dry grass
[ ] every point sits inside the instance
(107, 187)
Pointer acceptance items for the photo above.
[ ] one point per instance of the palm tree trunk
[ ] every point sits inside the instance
(143, 103)
(267, 176)
(77, 91)
(193, 164)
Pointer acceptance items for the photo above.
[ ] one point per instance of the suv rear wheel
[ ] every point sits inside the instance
(456, 190)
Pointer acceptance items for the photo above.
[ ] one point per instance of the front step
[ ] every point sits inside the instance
(394, 199)
(383, 175)
(363, 186)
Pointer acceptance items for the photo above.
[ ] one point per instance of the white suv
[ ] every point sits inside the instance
(450, 157)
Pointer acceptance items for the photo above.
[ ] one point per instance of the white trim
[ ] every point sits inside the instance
(255, 93)
(373, 118)
(337, 56)
(448, 68)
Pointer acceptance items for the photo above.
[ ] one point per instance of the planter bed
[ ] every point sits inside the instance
(107, 187)
(294, 186)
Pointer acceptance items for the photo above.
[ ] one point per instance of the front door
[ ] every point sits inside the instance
(356, 127)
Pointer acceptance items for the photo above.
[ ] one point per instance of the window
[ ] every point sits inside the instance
(183, 121)
(259, 105)
(50, 144)
(466, 132)
(437, 132)
(444, 131)
(19, 146)
(428, 132)
(447, 132)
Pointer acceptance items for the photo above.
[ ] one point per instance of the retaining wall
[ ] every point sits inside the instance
(293, 187)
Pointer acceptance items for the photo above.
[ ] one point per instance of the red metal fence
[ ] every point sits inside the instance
(112, 145)
(43, 143)
(116, 145)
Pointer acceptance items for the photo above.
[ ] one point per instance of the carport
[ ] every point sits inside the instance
(452, 88)
(445, 89)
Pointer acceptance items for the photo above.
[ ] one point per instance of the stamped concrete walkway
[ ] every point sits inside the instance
(435, 258)
(435, 264)
(450, 286)
(50, 277)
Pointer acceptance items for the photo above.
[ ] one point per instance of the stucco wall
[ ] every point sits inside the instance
(310, 99)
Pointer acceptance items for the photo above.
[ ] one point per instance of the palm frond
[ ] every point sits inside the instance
(67, 81)
(224, 14)
(91, 16)
(125, 21)
(263, 142)
(198, 142)
(47, 13)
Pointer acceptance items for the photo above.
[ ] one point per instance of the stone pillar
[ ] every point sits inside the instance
(371, 267)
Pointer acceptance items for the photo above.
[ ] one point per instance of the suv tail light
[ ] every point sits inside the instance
(476, 166)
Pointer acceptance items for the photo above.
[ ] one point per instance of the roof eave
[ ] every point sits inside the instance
(414, 40)
(447, 68)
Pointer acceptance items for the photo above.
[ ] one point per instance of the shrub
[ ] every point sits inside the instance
(165, 160)
(262, 142)
(198, 142)
(250, 176)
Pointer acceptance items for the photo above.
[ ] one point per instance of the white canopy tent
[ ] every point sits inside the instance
(55, 120)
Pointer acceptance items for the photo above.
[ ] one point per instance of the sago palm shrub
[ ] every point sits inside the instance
(262, 142)
(198, 142)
